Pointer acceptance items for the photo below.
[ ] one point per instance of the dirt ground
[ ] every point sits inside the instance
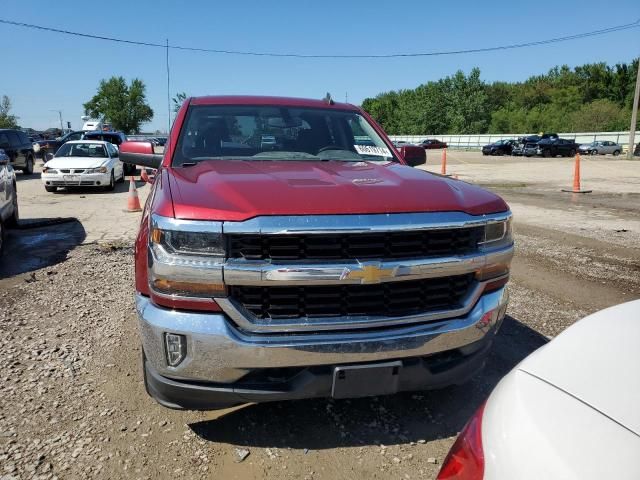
(72, 403)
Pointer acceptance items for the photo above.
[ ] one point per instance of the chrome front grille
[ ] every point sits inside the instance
(392, 299)
(361, 246)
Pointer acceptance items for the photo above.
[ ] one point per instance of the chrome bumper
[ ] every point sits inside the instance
(219, 352)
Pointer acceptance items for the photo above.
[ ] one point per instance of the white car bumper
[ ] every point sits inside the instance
(76, 180)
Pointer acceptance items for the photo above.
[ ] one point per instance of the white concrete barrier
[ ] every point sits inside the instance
(475, 142)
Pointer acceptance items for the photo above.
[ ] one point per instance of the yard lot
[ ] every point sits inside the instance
(72, 403)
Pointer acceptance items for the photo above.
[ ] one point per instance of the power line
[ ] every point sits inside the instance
(577, 36)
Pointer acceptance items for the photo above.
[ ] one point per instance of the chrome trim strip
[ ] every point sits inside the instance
(249, 323)
(369, 223)
(260, 273)
(167, 223)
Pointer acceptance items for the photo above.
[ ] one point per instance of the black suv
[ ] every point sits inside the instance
(19, 149)
(559, 146)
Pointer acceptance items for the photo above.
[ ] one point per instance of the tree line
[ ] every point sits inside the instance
(591, 97)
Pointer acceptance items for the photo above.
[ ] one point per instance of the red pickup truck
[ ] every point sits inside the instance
(287, 250)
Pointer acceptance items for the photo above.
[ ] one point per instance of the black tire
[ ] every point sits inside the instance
(13, 220)
(494, 153)
(50, 189)
(616, 153)
(572, 152)
(112, 183)
(121, 179)
(28, 169)
(546, 153)
(2, 235)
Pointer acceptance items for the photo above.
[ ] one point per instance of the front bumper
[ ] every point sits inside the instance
(225, 366)
(83, 179)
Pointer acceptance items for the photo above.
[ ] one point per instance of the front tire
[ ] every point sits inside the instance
(13, 220)
(51, 189)
(572, 153)
(28, 169)
(616, 153)
(546, 153)
(112, 183)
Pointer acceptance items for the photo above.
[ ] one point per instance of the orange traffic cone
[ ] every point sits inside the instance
(576, 178)
(133, 202)
(443, 171)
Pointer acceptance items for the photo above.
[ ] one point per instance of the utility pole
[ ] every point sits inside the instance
(60, 115)
(634, 115)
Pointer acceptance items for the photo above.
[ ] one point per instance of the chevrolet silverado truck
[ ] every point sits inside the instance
(319, 265)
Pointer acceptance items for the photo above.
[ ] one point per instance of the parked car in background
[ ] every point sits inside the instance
(46, 146)
(8, 197)
(162, 141)
(501, 147)
(52, 133)
(600, 148)
(553, 147)
(432, 143)
(568, 411)
(18, 148)
(116, 138)
(83, 163)
(530, 150)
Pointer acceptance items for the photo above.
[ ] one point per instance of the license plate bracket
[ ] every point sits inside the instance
(354, 381)
(71, 178)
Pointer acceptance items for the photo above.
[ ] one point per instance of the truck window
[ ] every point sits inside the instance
(262, 133)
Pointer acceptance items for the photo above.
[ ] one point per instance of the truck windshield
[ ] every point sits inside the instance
(244, 132)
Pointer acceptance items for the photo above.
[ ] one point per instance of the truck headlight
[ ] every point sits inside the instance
(186, 258)
(195, 243)
(497, 234)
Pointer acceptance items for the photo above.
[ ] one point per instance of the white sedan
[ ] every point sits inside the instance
(570, 410)
(83, 163)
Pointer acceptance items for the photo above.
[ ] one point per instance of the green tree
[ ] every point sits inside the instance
(588, 97)
(602, 114)
(178, 100)
(124, 106)
(7, 120)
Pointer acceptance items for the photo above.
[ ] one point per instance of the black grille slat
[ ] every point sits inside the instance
(427, 243)
(384, 299)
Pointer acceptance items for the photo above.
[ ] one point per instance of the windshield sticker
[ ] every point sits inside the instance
(368, 150)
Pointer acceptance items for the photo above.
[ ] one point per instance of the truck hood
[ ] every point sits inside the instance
(236, 190)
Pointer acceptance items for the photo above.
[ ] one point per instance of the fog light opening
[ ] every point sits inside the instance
(176, 346)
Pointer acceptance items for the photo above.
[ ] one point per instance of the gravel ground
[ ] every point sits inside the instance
(72, 403)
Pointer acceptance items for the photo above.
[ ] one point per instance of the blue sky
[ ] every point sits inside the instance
(43, 71)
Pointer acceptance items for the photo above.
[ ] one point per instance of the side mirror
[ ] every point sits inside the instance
(413, 155)
(140, 153)
(48, 156)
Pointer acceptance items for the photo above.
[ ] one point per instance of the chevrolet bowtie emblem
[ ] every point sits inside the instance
(368, 273)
